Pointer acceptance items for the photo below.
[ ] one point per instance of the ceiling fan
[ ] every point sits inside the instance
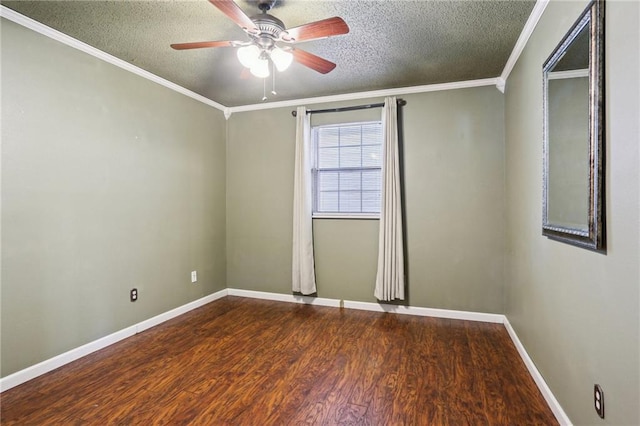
(266, 32)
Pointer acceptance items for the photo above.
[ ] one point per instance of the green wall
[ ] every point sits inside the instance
(578, 312)
(454, 175)
(109, 182)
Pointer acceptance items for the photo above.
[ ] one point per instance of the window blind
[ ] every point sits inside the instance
(347, 168)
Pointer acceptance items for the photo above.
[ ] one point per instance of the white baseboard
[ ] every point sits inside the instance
(159, 319)
(50, 364)
(557, 410)
(553, 403)
(291, 298)
(22, 376)
(425, 312)
(43, 367)
(551, 400)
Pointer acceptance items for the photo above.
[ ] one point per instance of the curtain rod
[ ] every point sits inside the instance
(400, 102)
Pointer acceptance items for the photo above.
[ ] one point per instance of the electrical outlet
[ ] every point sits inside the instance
(598, 400)
(133, 294)
(194, 276)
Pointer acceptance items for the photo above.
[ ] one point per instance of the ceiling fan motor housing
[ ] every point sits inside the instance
(270, 30)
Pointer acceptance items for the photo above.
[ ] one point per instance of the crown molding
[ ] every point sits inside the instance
(36, 26)
(529, 26)
(499, 82)
(365, 95)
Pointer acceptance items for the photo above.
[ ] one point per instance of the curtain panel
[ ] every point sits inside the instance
(303, 271)
(390, 283)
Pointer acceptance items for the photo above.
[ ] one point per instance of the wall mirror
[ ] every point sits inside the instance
(573, 94)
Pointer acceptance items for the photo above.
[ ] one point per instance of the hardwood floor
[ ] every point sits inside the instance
(252, 362)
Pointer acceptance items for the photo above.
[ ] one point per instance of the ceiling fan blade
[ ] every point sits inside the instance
(201, 44)
(233, 11)
(312, 61)
(314, 30)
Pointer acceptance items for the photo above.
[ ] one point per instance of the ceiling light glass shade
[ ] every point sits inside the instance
(260, 68)
(281, 58)
(248, 55)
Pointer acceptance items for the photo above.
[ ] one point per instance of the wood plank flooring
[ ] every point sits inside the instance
(242, 361)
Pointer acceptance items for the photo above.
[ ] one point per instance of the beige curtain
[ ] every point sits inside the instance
(304, 280)
(390, 276)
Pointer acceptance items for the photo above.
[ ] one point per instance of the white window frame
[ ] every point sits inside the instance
(314, 174)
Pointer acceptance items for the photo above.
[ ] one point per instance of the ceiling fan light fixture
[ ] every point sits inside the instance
(260, 53)
(281, 58)
(260, 68)
(248, 55)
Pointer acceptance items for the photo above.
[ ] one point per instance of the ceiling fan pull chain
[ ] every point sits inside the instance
(264, 89)
(273, 82)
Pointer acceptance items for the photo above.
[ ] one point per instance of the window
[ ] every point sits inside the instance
(347, 169)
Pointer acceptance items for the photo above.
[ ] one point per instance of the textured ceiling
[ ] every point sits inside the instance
(391, 43)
